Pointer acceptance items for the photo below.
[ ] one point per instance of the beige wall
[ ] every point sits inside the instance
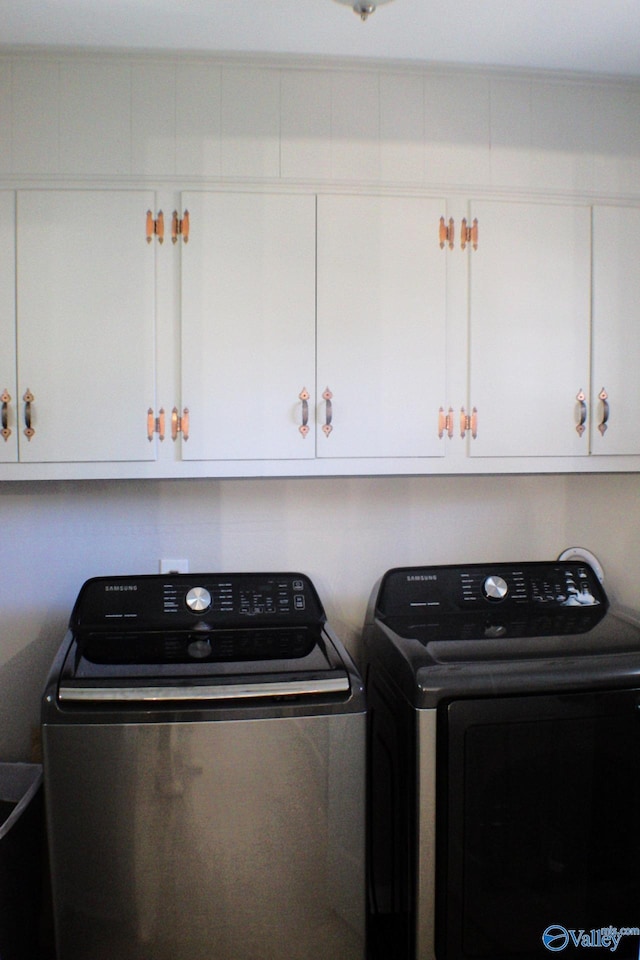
(344, 533)
(604, 512)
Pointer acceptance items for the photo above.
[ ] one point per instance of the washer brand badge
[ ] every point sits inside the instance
(557, 938)
(121, 587)
(421, 576)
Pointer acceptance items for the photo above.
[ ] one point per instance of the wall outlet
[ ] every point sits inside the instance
(171, 565)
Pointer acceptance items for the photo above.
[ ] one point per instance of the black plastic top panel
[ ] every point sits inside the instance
(478, 600)
(196, 601)
(484, 629)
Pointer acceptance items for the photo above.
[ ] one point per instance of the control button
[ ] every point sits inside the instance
(198, 599)
(495, 588)
(298, 602)
(199, 649)
(495, 631)
(585, 597)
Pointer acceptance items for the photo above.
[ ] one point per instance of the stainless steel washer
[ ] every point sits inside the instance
(204, 767)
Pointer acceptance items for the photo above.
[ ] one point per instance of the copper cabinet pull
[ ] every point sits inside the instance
(604, 396)
(28, 400)
(580, 426)
(304, 397)
(155, 424)
(180, 424)
(446, 233)
(5, 433)
(327, 396)
(445, 422)
(469, 423)
(469, 234)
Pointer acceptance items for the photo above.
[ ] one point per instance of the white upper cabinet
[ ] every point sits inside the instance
(8, 398)
(315, 322)
(615, 398)
(248, 326)
(530, 329)
(381, 327)
(86, 347)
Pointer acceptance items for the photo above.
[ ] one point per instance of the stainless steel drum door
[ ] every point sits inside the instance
(185, 841)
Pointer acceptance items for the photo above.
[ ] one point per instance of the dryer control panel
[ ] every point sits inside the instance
(408, 591)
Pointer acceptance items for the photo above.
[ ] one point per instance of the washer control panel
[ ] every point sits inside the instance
(248, 596)
(430, 591)
(185, 601)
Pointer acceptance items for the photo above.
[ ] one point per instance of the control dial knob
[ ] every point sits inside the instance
(198, 599)
(495, 588)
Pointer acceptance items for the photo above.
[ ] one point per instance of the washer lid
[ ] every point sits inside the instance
(197, 665)
(232, 688)
(200, 637)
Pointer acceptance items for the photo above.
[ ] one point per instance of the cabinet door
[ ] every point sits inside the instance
(85, 281)
(381, 326)
(8, 399)
(616, 331)
(248, 325)
(529, 328)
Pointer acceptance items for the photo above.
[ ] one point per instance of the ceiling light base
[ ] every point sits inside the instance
(363, 8)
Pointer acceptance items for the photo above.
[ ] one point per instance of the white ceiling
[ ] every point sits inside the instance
(601, 36)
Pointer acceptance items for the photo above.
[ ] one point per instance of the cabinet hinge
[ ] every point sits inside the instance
(446, 233)
(445, 422)
(469, 234)
(180, 424)
(155, 424)
(469, 423)
(180, 228)
(155, 228)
